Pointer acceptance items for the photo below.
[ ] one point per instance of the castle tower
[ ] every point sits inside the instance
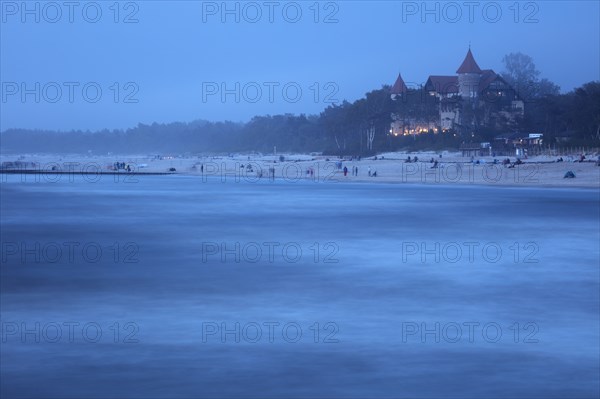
(399, 88)
(469, 75)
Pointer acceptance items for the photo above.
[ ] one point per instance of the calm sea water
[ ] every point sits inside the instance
(175, 287)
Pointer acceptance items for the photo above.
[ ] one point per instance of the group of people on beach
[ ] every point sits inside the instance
(354, 171)
(122, 166)
(508, 164)
(582, 158)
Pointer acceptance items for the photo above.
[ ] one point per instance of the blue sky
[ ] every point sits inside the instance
(173, 61)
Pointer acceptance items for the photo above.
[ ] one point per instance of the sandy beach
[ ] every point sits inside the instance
(452, 168)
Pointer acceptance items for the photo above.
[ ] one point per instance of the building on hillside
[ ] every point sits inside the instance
(405, 124)
(481, 90)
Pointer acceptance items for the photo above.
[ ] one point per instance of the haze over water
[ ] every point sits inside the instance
(376, 292)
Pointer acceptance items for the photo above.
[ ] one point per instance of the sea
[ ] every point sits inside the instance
(190, 287)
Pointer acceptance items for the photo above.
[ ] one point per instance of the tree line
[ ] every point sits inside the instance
(358, 128)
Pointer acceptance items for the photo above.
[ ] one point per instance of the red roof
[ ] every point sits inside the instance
(487, 77)
(469, 65)
(399, 87)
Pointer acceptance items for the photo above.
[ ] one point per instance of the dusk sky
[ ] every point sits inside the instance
(176, 59)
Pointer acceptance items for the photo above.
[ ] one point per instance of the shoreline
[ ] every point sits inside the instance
(305, 180)
(447, 169)
(410, 183)
(82, 173)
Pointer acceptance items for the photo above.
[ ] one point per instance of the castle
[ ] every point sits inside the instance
(472, 88)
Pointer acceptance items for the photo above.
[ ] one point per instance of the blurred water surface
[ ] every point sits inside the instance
(361, 280)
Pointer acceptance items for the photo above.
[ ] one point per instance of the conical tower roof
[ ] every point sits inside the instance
(469, 65)
(399, 87)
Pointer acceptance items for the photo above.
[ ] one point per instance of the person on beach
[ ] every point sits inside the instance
(345, 171)
(369, 171)
(357, 171)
